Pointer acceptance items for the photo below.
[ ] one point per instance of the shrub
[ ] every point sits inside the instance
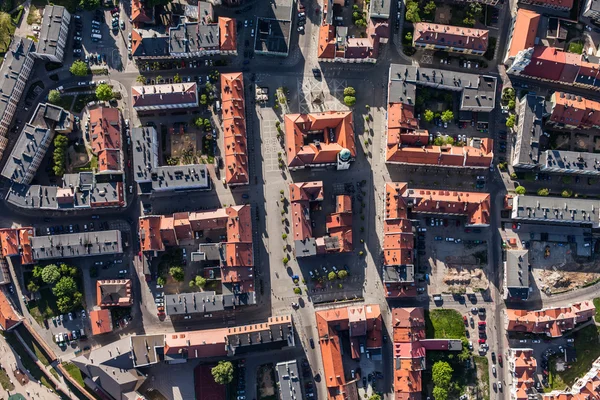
(297, 290)
(543, 192)
(520, 190)
(286, 260)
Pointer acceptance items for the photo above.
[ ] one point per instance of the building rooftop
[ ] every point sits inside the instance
(452, 36)
(147, 349)
(573, 110)
(553, 64)
(552, 322)
(140, 14)
(74, 245)
(206, 302)
(114, 292)
(556, 210)
(101, 321)
(517, 274)
(233, 114)
(288, 380)
(380, 9)
(525, 31)
(570, 161)
(13, 66)
(145, 44)
(50, 30)
(318, 138)
(191, 37)
(175, 94)
(272, 36)
(8, 317)
(529, 130)
(105, 129)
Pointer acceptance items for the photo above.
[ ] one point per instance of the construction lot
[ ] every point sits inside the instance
(555, 269)
(456, 258)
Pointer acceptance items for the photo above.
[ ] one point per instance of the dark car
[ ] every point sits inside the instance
(316, 73)
(312, 343)
(364, 381)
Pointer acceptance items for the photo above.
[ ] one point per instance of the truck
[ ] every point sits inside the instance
(437, 298)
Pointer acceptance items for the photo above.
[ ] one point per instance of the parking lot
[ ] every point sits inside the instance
(66, 329)
(456, 257)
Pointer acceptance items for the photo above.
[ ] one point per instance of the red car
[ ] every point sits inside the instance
(481, 323)
(481, 341)
(500, 359)
(465, 320)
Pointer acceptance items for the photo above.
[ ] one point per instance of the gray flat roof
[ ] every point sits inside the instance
(272, 35)
(107, 192)
(147, 349)
(30, 147)
(570, 162)
(180, 177)
(399, 273)
(12, 68)
(51, 29)
(288, 378)
(152, 46)
(529, 131)
(34, 196)
(306, 247)
(145, 153)
(517, 273)
(74, 245)
(205, 302)
(478, 92)
(191, 37)
(380, 8)
(402, 92)
(556, 210)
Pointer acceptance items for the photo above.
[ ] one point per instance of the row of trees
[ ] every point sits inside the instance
(64, 286)
(203, 123)
(59, 156)
(413, 8)
(446, 116)
(358, 17)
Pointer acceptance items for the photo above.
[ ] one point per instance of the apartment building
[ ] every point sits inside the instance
(552, 322)
(522, 34)
(559, 5)
(584, 388)
(233, 116)
(54, 32)
(364, 325)
(591, 9)
(274, 31)
(16, 242)
(524, 369)
(168, 96)
(516, 275)
(450, 38)
(75, 245)
(154, 179)
(34, 140)
(554, 210)
(114, 293)
(9, 319)
(303, 198)
(320, 140)
(573, 112)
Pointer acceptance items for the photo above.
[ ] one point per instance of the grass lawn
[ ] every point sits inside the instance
(482, 367)
(444, 324)
(74, 372)
(587, 351)
(33, 345)
(8, 27)
(576, 47)
(5, 381)
(597, 305)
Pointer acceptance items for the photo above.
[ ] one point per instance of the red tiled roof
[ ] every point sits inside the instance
(234, 129)
(101, 321)
(553, 64)
(138, 14)
(300, 127)
(8, 318)
(575, 110)
(451, 36)
(105, 131)
(551, 321)
(227, 34)
(525, 31)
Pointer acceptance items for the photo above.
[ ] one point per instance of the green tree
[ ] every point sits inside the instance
(200, 281)
(511, 105)
(79, 68)
(342, 274)
(158, 78)
(177, 273)
(32, 287)
(90, 4)
(140, 79)
(223, 372)
(429, 8)
(441, 374)
(50, 274)
(297, 290)
(104, 92)
(177, 78)
(428, 115)
(203, 99)
(475, 9)
(64, 304)
(520, 190)
(332, 276)
(439, 393)
(199, 122)
(161, 281)
(412, 12)
(510, 121)
(54, 97)
(543, 192)
(508, 94)
(567, 193)
(349, 101)
(207, 125)
(375, 396)
(65, 287)
(349, 91)
(66, 270)
(37, 272)
(447, 116)
(408, 37)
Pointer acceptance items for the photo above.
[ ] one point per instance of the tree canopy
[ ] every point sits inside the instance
(447, 116)
(412, 12)
(342, 274)
(428, 115)
(520, 190)
(54, 97)
(104, 92)
(349, 100)
(177, 273)
(510, 121)
(223, 372)
(349, 91)
(65, 287)
(441, 374)
(332, 276)
(439, 393)
(79, 68)
(50, 273)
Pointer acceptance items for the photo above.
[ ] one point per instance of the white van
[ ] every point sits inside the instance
(96, 36)
(218, 105)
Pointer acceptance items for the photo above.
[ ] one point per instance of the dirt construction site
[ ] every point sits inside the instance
(458, 269)
(555, 270)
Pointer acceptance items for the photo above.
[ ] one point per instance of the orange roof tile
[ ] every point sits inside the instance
(105, 131)
(109, 160)
(150, 239)
(25, 235)
(101, 321)
(227, 34)
(574, 110)
(451, 36)
(234, 129)
(8, 318)
(10, 242)
(525, 31)
(138, 14)
(326, 41)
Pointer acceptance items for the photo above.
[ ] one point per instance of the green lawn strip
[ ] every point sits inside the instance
(586, 350)
(74, 372)
(27, 361)
(597, 305)
(444, 324)
(482, 364)
(33, 345)
(5, 381)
